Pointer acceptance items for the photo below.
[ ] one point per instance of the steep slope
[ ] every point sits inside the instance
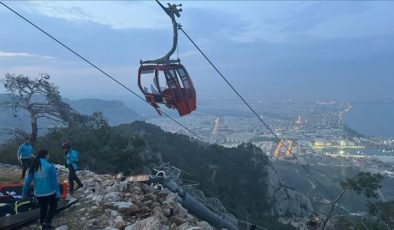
(242, 178)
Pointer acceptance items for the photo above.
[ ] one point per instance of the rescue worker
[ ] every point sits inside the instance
(46, 187)
(25, 155)
(71, 156)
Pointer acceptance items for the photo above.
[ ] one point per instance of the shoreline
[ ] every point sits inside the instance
(371, 119)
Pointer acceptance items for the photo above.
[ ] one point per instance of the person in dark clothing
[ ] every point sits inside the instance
(25, 155)
(46, 187)
(71, 156)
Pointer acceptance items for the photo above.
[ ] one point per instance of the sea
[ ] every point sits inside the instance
(372, 119)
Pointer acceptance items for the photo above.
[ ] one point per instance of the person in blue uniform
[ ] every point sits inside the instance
(46, 187)
(71, 156)
(25, 155)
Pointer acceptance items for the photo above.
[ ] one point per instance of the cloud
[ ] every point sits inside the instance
(22, 54)
(78, 79)
(375, 19)
(116, 15)
(298, 22)
(254, 21)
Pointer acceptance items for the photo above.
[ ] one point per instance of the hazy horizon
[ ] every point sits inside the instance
(300, 50)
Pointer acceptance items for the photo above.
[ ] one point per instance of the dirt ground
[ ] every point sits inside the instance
(10, 176)
(13, 176)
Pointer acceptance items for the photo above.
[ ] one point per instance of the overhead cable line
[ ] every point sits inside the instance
(100, 70)
(255, 113)
(131, 91)
(353, 223)
(128, 89)
(321, 186)
(109, 76)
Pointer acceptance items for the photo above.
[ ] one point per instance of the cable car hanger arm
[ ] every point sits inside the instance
(171, 11)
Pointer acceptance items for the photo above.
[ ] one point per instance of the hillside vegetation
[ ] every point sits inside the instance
(236, 176)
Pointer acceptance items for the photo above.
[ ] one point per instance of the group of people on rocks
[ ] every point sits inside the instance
(43, 175)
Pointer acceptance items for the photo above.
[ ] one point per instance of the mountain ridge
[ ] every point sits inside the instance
(115, 112)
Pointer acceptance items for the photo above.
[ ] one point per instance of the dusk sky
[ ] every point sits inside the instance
(310, 49)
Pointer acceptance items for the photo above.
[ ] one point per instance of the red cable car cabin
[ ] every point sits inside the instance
(167, 84)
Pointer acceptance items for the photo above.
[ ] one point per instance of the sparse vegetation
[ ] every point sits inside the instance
(236, 176)
(380, 214)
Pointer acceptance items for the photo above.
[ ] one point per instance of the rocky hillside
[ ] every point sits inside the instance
(242, 178)
(106, 202)
(284, 200)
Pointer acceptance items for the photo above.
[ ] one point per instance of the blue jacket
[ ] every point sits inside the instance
(45, 180)
(72, 158)
(25, 150)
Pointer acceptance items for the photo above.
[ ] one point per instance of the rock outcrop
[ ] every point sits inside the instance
(285, 201)
(106, 202)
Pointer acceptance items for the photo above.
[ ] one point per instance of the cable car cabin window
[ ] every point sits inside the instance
(182, 75)
(188, 89)
(173, 83)
(161, 81)
(171, 77)
(185, 80)
(148, 82)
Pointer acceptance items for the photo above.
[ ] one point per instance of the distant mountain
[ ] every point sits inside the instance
(8, 121)
(116, 112)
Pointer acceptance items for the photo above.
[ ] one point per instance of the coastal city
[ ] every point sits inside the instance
(237, 115)
(311, 131)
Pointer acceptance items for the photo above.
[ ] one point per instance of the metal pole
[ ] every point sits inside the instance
(171, 11)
